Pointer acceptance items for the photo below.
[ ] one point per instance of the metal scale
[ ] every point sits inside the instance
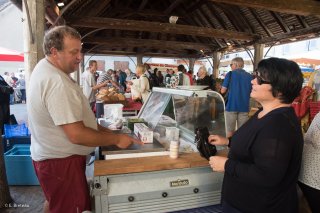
(158, 183)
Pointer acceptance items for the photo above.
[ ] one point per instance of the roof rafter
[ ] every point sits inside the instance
(109, 23)
(297, 7)
(114, 42)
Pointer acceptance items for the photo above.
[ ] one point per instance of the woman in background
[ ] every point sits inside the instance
(263, 164)
(309, 178)
(142, 85)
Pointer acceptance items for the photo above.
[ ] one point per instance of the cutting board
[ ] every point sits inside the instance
(154, 163)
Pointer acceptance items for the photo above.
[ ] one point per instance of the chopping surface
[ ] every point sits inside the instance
(154, 163)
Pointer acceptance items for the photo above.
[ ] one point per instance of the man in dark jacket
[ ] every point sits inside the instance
(4, 102)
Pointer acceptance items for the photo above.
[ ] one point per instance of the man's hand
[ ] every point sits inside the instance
(126, 141)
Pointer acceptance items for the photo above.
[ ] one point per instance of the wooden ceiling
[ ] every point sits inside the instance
(141, 27)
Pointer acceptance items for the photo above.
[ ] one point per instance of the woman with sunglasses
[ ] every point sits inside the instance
(262, 167)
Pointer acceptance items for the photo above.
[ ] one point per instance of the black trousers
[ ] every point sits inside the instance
(312, 195)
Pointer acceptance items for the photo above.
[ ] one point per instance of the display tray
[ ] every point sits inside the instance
(125, 103)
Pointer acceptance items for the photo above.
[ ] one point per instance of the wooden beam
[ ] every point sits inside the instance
(302, 21)
(173, 5)
(142, 5)
(281, 23)
(146, 54)
(260, 21)
(130, 42)
(293, 34)
(94, 10)
(121, 24)
(297, 7)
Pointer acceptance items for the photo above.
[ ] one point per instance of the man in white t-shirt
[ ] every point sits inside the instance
(90, 86)
(63, 127)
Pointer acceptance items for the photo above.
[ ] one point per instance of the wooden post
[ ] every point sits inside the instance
(33, 33)
(139, 59)
(191, 63)
(258, 54)
(216, 63)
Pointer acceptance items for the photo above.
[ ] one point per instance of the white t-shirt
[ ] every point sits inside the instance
(310, 166)
(88, 81)
(55, 99)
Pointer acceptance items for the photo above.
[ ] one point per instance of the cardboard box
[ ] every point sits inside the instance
(143, 132)
(19, 166)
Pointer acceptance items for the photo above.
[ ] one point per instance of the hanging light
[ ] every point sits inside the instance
(173, 19)
(60, 4)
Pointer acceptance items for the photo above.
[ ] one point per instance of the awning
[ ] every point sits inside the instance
(10, 55)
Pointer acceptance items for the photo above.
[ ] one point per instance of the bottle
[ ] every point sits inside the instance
(174, 149)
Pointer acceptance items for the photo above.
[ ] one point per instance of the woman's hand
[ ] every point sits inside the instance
(218, 140)
(217, 163)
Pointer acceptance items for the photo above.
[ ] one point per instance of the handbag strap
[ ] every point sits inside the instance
(229, 83)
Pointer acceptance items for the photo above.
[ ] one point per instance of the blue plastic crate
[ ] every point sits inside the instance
(8, 143)
(16, 130)
(19, 166)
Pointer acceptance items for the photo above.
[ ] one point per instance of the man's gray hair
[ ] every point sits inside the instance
(54, 38)
(238, 61)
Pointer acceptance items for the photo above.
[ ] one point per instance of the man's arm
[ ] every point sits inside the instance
(98, 86)
(79, 134)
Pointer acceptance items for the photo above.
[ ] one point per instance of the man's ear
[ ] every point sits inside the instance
(53, 51)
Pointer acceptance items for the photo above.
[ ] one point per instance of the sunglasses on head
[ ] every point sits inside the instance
(259, 78)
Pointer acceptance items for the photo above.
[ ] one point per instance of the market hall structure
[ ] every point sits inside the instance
(176, 29)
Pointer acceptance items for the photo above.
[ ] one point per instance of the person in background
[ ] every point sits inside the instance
(309, 178)
(204, 78)
(160, 78)
(142, 86)
(10, 82)
(122, 79)
(190, 74)
(22, 87)
(130, 75)
(90, 86)
(237, 84)
(104, 76)
(4, 105)
(263, 163)
(168, 77)
(183, 77)
(63, 127)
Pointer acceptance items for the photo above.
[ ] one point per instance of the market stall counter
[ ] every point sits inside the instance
(144, 178)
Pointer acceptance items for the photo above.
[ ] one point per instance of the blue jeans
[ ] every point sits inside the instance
(12, 98)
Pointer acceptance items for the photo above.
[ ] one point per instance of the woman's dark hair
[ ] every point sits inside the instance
(284, 76)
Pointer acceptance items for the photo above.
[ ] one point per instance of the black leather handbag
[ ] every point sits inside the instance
(204, 147)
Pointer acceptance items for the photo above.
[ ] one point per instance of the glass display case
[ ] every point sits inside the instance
(185, 109)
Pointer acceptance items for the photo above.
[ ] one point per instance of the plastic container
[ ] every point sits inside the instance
(19, 166)
(8, 143)
(174, 149)
(16, 130)
(113, 111)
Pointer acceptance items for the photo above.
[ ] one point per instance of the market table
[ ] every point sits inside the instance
(132, 108)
